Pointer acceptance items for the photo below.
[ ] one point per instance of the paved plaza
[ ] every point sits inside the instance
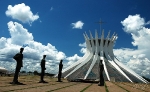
(30, 84)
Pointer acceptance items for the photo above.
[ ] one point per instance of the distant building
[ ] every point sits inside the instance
(3, 70)
(100, 48)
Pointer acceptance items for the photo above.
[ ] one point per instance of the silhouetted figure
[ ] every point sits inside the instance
(60, 69)
(101, 79)
(43, 70)
(18, 57)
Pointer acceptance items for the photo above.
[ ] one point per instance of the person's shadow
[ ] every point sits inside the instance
(18, 83)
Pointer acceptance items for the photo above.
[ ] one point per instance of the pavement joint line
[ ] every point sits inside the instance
(13, 85)
(6, 85)
(86, 88)
(134, 87)
(106, 87)
(32, 87)
(10, 85)
(62, 87)
(121, 87)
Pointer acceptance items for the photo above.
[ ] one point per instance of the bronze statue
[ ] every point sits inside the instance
(18, 57)
(60, 71)
(43, 70)
(101, 78)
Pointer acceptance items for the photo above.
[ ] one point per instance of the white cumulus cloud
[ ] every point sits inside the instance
(19, 35)
(83, 49)
(133, 23)
(33, 51)
(22, 13)
(77, 25)
(136, 59)
(73, 59)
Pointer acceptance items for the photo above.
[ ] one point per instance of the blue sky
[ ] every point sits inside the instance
(56, 27)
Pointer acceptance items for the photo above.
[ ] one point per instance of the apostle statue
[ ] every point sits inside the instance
(43, 70)
(19, 63)
(60, 71)
(101, 78)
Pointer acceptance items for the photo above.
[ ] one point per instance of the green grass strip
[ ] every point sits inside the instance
(86, 88)
(106, 88)
(62, 87)
(121, 87)
(30, 87)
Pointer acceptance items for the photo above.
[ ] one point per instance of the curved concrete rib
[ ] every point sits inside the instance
(96, 43)
(80, 65)
(130, 71)
(91, 66)
(88, 45)
(110, 47)
(101, 46)
(92, 43)
(106, 53)
(106, 72)
(116, 66)
(77, 63)
(111, 58)
(96, 53)
(102, 55)
(83, 58)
